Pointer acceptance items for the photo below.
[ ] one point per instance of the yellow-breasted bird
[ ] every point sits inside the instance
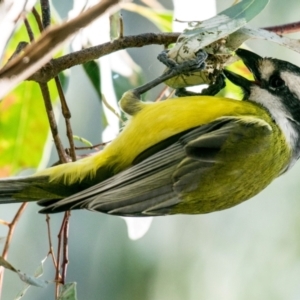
(188, 155)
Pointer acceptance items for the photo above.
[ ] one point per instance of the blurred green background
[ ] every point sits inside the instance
(250, 252)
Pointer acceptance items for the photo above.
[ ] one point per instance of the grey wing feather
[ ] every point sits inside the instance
(153, 186)
(10, 186)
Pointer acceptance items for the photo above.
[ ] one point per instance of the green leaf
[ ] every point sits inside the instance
(92, 70)
(68, 292)
(123, 83)
(23, 128)
(82, 140)
(247, 32)
(245, 10)
(206, 32)
(5, 264)
(161, 18)
(32, 280)
(24, 125)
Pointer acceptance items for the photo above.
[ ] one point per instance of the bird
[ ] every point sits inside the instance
(185, 155)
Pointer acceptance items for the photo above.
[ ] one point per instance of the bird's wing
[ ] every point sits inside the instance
(154, 185)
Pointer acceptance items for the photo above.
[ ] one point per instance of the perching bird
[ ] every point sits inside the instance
(188, 155)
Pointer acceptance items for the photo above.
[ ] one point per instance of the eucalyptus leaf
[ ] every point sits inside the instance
(162, 18)
(5, 264)
(206, 32)
(92, 70)
(32, 280)
(247, 32)
(68, 292)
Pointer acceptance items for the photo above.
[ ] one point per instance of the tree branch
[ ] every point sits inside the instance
(40, 52)
(11, 230)
(284, 28)
(53, 125)
(132, 41)
(80, 57)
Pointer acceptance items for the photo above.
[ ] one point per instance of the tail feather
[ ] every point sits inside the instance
(10, 188)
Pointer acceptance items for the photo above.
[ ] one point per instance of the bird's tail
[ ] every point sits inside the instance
(11, 189)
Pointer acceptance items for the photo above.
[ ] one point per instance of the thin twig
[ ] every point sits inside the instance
(284, 28)
(2, 222)
(67, 115)
(51, 252)
(65, 261)
(52, 122)
(80, 57)
(38, 19)
(58, 278)
(93, 146)
(11, 229)
(29, 30)
(46, 13)
(12, 226)
(57, 274)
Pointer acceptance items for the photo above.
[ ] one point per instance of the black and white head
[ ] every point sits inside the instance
(276, 87)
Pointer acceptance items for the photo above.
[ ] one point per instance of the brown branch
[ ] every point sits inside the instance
(38, 19)
(12, 226)
(11, 229)
(57, 274)
(284, 28)
(46, 14)
(65, 261)
(40, 51)
(29, 30)
(51, 252)
(53, 125)
(60, 236)
(67, 115)
(80, 57)
(134, 41)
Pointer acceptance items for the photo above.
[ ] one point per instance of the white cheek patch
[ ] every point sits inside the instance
(266, 68)
(292, 82)
(278, 112)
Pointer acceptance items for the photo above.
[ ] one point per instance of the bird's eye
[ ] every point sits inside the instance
(276, 82)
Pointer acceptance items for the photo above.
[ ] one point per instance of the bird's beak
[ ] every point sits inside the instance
(251, 60)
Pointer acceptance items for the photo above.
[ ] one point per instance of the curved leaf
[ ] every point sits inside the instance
(247, 32)
(68, 292)
(23, 128)
(161, 18)
(226, 22)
